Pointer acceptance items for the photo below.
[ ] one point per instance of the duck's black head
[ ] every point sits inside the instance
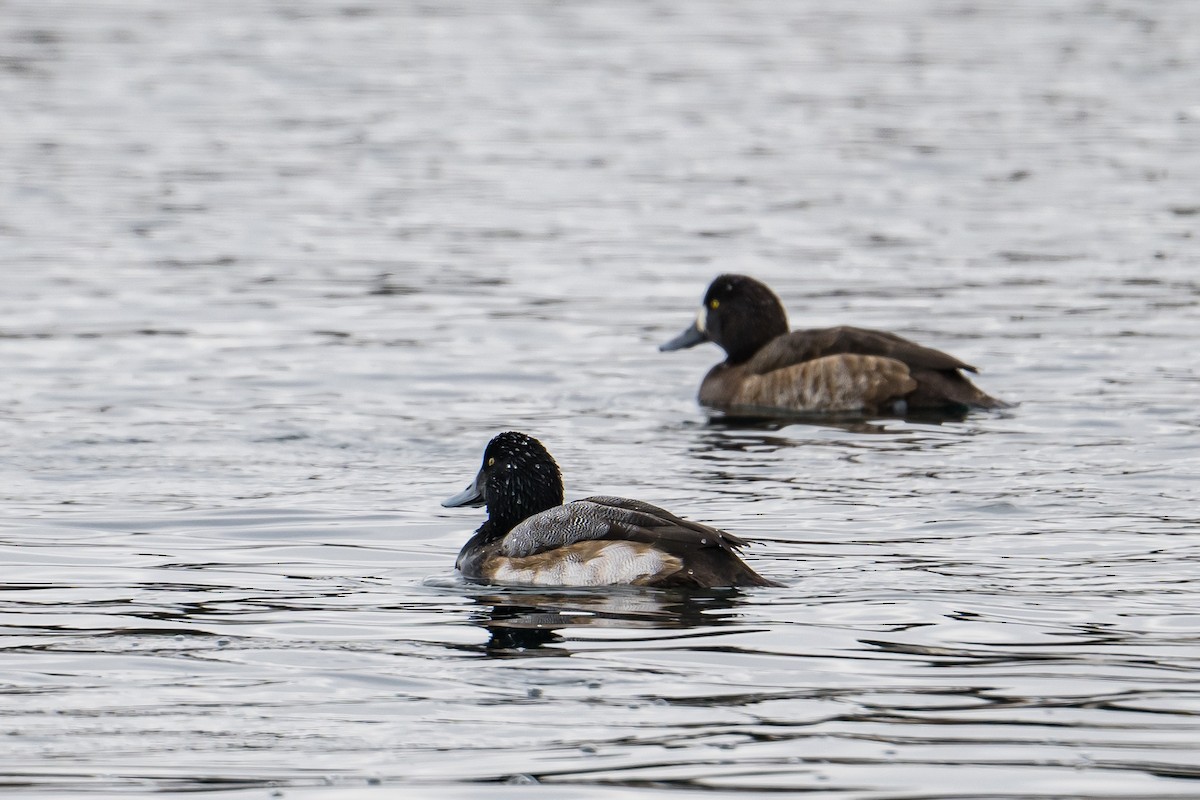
(739, 313)
(517, 480)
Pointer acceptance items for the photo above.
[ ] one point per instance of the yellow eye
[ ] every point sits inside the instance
(714, 303)
(491, 462)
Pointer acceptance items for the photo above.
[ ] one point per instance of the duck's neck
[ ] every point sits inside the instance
(742, 338)
(502, 520)
(521, 503)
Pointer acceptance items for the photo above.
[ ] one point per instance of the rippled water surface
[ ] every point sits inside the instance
(273, 273)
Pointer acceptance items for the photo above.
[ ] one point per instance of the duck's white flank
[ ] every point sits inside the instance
(592, 563)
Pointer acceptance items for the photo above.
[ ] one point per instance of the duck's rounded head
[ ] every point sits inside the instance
(518, 479)
(739, 314)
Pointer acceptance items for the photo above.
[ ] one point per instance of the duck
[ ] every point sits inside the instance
(532, 538)
(840, 370)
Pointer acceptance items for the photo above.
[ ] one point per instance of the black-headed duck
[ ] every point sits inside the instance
(822, 370)
(531, 538)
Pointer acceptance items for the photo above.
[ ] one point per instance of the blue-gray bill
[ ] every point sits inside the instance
(689, 338)
(470, 496)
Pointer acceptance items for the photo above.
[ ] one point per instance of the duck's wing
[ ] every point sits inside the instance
(662, 524)
(615, 518)
(806, 345)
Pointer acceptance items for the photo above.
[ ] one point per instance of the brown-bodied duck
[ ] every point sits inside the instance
(822, 370)
(531, 538)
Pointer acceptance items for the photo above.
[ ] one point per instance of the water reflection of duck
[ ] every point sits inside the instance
(822, 370)
(531, 538)
(531, 623)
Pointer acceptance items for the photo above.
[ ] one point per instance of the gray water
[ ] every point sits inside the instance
(274, 273)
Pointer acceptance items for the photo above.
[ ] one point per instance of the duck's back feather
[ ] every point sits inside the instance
(844, 369)
(807, 345)
(603, 517)
(623, 536)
